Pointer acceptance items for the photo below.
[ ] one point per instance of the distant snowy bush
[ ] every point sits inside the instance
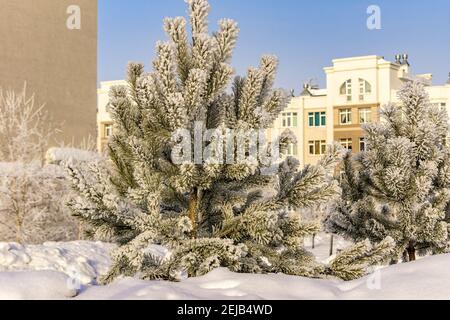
(33, 204)
(70, 155)
(34, 188)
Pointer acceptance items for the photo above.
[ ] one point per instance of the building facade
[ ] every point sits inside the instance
(104, 121)
(356, 90)
(51, 45)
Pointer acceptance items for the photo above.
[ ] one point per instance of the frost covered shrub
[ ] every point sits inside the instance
(32, 204)
(400, 186)
(33, 195)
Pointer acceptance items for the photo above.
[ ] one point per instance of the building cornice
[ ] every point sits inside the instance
(370, 57)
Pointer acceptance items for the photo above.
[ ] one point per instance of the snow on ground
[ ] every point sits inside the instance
(81, 260)
(428, 278)
(35, 285)
(322, 244)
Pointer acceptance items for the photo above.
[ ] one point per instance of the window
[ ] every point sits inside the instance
(108, 130)
(364, 89)
(323, 118)
(347, 143)
(345, 116)
(439, 104)
(346, 89)
(292, 149)
(317, 119)
(317, 147)
(290, 120)
(311, 119)
(362, 144)
(365, 115)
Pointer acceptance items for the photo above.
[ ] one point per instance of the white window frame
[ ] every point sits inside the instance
(311, 116)
(365, 89)
(346, 89)
(439, 104)
(347, 143)
(289, 120)
(362, 142)
(322, 117)
(322, 145)
(365, 115)
(292, 149)
(107, 130)
(347, 113)
(349, 90)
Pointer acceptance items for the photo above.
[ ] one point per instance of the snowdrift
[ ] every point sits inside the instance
(61, 270)
(83, 261)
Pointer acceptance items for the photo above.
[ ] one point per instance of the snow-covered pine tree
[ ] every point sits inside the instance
(207, 214)
(399, 187)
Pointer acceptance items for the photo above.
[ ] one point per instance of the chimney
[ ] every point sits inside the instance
(448, 82)
(405, 59)
(398, 58)
(306, 91)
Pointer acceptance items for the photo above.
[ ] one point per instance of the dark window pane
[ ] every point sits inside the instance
(317, 119)
(317, 147)
(311, 120)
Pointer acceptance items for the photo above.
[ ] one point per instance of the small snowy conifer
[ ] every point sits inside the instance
(207, 214)
(400, 186)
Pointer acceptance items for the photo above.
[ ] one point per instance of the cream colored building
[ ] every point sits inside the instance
(52, 46)
(104, 122)
(356, 89)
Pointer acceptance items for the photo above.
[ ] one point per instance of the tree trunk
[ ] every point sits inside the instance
(405, 256)
(19, 223)
(313, 241)
(193, 210)
(80, 231)
(331, 245)
(19, 237)
(411, 252)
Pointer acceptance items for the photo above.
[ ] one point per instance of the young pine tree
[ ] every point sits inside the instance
(400, 186)
(208, 214)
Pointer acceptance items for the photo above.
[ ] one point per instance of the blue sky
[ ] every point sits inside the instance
(305, 35)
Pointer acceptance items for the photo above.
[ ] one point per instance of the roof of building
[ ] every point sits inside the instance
(368, 57)
(313, 92)
(108, 84)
